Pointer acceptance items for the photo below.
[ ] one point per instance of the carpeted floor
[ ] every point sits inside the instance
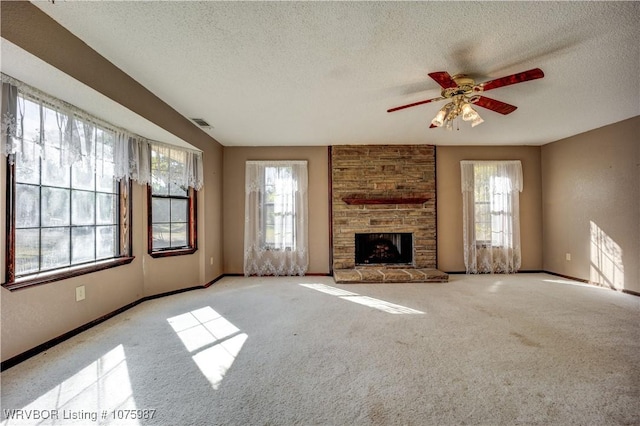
(478, 350)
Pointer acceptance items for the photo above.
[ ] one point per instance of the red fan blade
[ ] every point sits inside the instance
(414, 104)
(443, 79)
(513, 79)
(494, 105)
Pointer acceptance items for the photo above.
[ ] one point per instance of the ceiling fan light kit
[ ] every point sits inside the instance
(462, 92)
(468, 113)
(477, 121)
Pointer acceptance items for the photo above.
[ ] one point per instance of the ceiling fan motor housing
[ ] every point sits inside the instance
(465, 86)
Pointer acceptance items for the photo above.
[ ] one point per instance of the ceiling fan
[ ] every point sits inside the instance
(463, 92)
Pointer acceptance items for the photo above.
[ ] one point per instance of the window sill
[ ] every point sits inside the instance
(169, 253)
(45, 278)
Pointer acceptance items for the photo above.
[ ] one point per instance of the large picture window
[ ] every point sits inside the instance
(64, 218)
(68, 184)
(172, 208)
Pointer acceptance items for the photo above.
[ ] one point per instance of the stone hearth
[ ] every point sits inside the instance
(389, 275)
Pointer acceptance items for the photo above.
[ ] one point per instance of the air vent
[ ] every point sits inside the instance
(200, 122)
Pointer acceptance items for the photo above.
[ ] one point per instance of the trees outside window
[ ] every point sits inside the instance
(172, 205)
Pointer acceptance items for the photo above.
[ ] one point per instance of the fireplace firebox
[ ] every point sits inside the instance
(384, 248)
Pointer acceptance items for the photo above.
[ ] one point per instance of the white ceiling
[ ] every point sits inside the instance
(324, 73)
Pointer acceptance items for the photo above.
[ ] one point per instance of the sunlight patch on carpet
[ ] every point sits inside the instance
(87, 397)
(213, 341)
(329, 290)
(381, 305)
(495, 287)
(575, 283)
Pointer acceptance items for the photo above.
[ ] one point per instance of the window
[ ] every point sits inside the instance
(64, 219)
(491, 228)
(68, 184)
(276, 218)
(278, 209)
(172, 205)
(492, 214)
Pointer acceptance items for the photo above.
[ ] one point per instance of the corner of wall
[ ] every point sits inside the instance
(591, 206)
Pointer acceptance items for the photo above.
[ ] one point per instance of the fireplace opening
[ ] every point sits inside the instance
(390, 247)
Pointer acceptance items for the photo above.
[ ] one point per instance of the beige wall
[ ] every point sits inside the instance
(591, 205)
(34, 315)
(233, 201)
(449, 199)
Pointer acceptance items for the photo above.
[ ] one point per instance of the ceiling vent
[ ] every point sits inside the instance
(200, 122)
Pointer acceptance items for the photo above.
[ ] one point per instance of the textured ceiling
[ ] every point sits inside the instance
(29, 69)
(324, 73)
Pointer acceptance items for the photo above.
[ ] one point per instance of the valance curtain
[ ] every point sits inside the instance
(187, 166)
(64, 135)
(275, 233)
(491, 216)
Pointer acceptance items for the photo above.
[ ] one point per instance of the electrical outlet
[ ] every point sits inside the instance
(80, 295)
(211, 261)
(567, 256)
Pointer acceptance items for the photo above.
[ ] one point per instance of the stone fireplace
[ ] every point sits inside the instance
(383, 190)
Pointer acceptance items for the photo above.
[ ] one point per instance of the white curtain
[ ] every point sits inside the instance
(275, 233)
(132, 158)
(38, 126)
(187, 166)
(491, 216)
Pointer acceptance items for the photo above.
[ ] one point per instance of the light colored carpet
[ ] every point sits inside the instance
(479, 350)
